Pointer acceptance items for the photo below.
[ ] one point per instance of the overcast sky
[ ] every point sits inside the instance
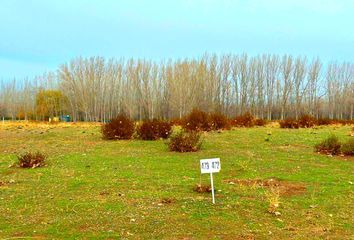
(38, 35)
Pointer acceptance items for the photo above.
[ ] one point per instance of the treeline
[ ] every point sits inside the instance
(267, 86)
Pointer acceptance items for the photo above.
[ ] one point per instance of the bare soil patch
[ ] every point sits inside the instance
(286, 188)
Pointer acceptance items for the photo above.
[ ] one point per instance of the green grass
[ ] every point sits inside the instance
(93, 188)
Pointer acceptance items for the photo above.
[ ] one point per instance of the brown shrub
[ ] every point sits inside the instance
(202, 188)
(289, 123)
(245, 120)
(348, 147)
(330, 145)
(324, 121)
(31, 160)
(197, 121)
(118, 128)
(176, 122)
(183, 141)
(306, 121)
(342, 121)
(219, 121)
(155, 129)
(260, 122)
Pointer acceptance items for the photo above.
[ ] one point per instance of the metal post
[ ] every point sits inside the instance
(212, 187)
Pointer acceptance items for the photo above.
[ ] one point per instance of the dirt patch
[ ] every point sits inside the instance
(167, 200)
(202, 188)
(285, 188)
(104, 193)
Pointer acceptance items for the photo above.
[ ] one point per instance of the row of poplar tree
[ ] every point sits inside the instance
(268, 86)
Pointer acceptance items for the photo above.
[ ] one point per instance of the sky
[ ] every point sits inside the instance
(36, 36)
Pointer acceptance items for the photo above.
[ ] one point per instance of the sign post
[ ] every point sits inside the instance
(210, 166)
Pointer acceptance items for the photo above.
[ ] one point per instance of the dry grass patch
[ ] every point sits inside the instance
(285, 188)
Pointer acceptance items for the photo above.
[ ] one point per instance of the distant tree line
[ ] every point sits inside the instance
(268, 86)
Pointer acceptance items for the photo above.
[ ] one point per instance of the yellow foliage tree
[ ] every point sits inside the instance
(50, 103)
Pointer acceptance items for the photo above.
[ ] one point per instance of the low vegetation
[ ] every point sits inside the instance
(98, 189)
(245, 120)
(289, 123)
(197, 121)
(333, 146)
(347, 147)
(185, 141)
(118, 128)
(219, 121)
(31, 160)
(307, 121)
(154, 129)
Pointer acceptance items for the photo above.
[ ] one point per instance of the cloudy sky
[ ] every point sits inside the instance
(38, 35)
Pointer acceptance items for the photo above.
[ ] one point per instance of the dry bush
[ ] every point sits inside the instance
(324, 121)
(202, 188)
(185, 141)
(348, 147)
(245, 120)
(289, 123)
(197, 121)
(273, 198)
(343, 121)
(219, 121)
(306, 121)
(118, 128)
(153, 130)
(176, 122)
(260, 122)
(31, 160)
(330, 145)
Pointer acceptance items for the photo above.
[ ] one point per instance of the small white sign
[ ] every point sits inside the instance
(210, 165)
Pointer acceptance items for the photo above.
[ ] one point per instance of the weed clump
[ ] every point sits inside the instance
(185, 141)
(31, 160)
(348, 147)
(120, 127)
(331, 145)
(154, 129)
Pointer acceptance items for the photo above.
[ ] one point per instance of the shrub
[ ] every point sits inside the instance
(219, 121)
(176, 122)
(306, 121)
(118, 128)
(331, 145)
(348, 147)
(289, 123)
(324, 121)
(343, 121)
(202, 188)
(155, 129)
(260, 122)
(31, 160)
(197, 121)
(183, 141)
(245, 120)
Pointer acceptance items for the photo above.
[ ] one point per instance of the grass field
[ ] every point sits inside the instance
(135, 189)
